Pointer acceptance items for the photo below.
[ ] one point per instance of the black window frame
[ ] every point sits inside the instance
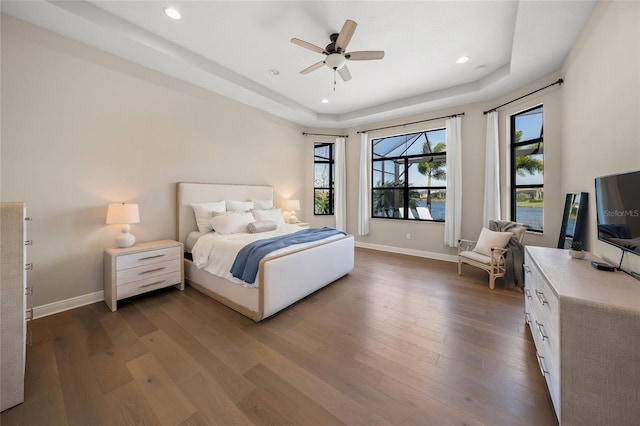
(513, 154)
(331, 162)
(406, 189)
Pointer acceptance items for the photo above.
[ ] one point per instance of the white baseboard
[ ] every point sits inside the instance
(65, 305)
(410, 252)
(98, 296)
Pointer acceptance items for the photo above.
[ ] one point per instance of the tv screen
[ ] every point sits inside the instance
(618, 210)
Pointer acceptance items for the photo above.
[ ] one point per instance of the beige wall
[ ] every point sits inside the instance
(82, 128)
(427, 237)
(601, 112)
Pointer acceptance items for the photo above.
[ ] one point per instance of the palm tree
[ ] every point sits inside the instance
(527, 164)
(433, 168)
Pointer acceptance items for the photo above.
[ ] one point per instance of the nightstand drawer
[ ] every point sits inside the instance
(147, 257)
(148, 284)
(146, 271)
(144, 267)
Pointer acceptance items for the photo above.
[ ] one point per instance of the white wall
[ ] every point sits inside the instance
(82, 128)
(601, 108)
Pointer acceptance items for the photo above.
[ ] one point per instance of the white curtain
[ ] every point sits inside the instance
(363, 192)
(340, 202)
(453, 205)
(491, 209)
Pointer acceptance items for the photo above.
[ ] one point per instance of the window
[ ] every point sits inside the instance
(323, 178)
(527, 168)
(409, 176)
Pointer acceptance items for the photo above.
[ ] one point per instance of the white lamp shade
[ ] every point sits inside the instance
(123, 213)
(292, 205)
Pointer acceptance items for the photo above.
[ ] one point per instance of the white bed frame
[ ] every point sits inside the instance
(282, 279)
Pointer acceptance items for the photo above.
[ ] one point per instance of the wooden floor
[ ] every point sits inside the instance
(399, 341)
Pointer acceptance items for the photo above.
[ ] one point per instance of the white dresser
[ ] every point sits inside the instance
(141, 268)
(586, 327)
(13, 303)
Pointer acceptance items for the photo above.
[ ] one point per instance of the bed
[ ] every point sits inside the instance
(283, 278)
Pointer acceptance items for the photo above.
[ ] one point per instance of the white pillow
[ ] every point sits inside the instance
(489, 238)
(239, 206)
(232, 223)
(204, 212)
(271, 214)
(262, 204)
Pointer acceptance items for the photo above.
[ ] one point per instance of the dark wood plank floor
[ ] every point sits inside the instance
(400, 341)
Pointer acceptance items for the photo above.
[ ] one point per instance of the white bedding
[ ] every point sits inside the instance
(215, 253)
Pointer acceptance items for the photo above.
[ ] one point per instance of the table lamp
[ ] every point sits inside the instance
(124, 214)
(293, 205)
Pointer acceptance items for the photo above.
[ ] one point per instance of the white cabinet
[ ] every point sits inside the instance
(140, 269)
(586, 327)
(13, 303)
(542, 316)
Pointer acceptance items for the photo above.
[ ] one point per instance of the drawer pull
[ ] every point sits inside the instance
(149, 285)
(151, 257)
(28, 267)
(527, 292)
(541, 297)
(28, 243)
(526, 269)
(151, 270)
(527, 319)
(543, 369)
(540, 328)
(28, 291)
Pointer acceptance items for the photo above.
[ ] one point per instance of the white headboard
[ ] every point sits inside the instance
(188, 193)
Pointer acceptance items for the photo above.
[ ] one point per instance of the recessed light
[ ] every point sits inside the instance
(274, 71)
(325, 101)
(462, 59)
(172, 13)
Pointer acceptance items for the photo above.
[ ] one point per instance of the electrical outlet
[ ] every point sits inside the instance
(408, 236)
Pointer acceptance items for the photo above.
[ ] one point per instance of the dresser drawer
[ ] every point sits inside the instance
(542, 299)
(147, 257)
(542, 316)
(143, 272)
(148, 284)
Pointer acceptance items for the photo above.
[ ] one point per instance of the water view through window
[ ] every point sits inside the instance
(409, 174)
(527, 168)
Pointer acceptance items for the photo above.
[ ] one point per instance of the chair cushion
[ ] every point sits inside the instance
(472, 255)
(489, 239)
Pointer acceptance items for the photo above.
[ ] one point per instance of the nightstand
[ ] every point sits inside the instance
(302, 224)
(141, 268)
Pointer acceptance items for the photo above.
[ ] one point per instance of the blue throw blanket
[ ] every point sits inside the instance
(245, 267)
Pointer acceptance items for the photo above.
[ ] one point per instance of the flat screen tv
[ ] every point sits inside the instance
(618, 210)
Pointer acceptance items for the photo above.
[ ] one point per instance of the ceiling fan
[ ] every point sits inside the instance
(337, 56)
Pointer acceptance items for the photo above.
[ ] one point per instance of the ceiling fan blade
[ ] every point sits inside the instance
(365, 55)
(344, 73)
(345, 35)
(312, 67)
(307, 45)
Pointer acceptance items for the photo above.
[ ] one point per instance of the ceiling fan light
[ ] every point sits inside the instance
(335, 61)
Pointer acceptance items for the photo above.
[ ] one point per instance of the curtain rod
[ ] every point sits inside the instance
(323, 134)
(413, 122)
(560, 81)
